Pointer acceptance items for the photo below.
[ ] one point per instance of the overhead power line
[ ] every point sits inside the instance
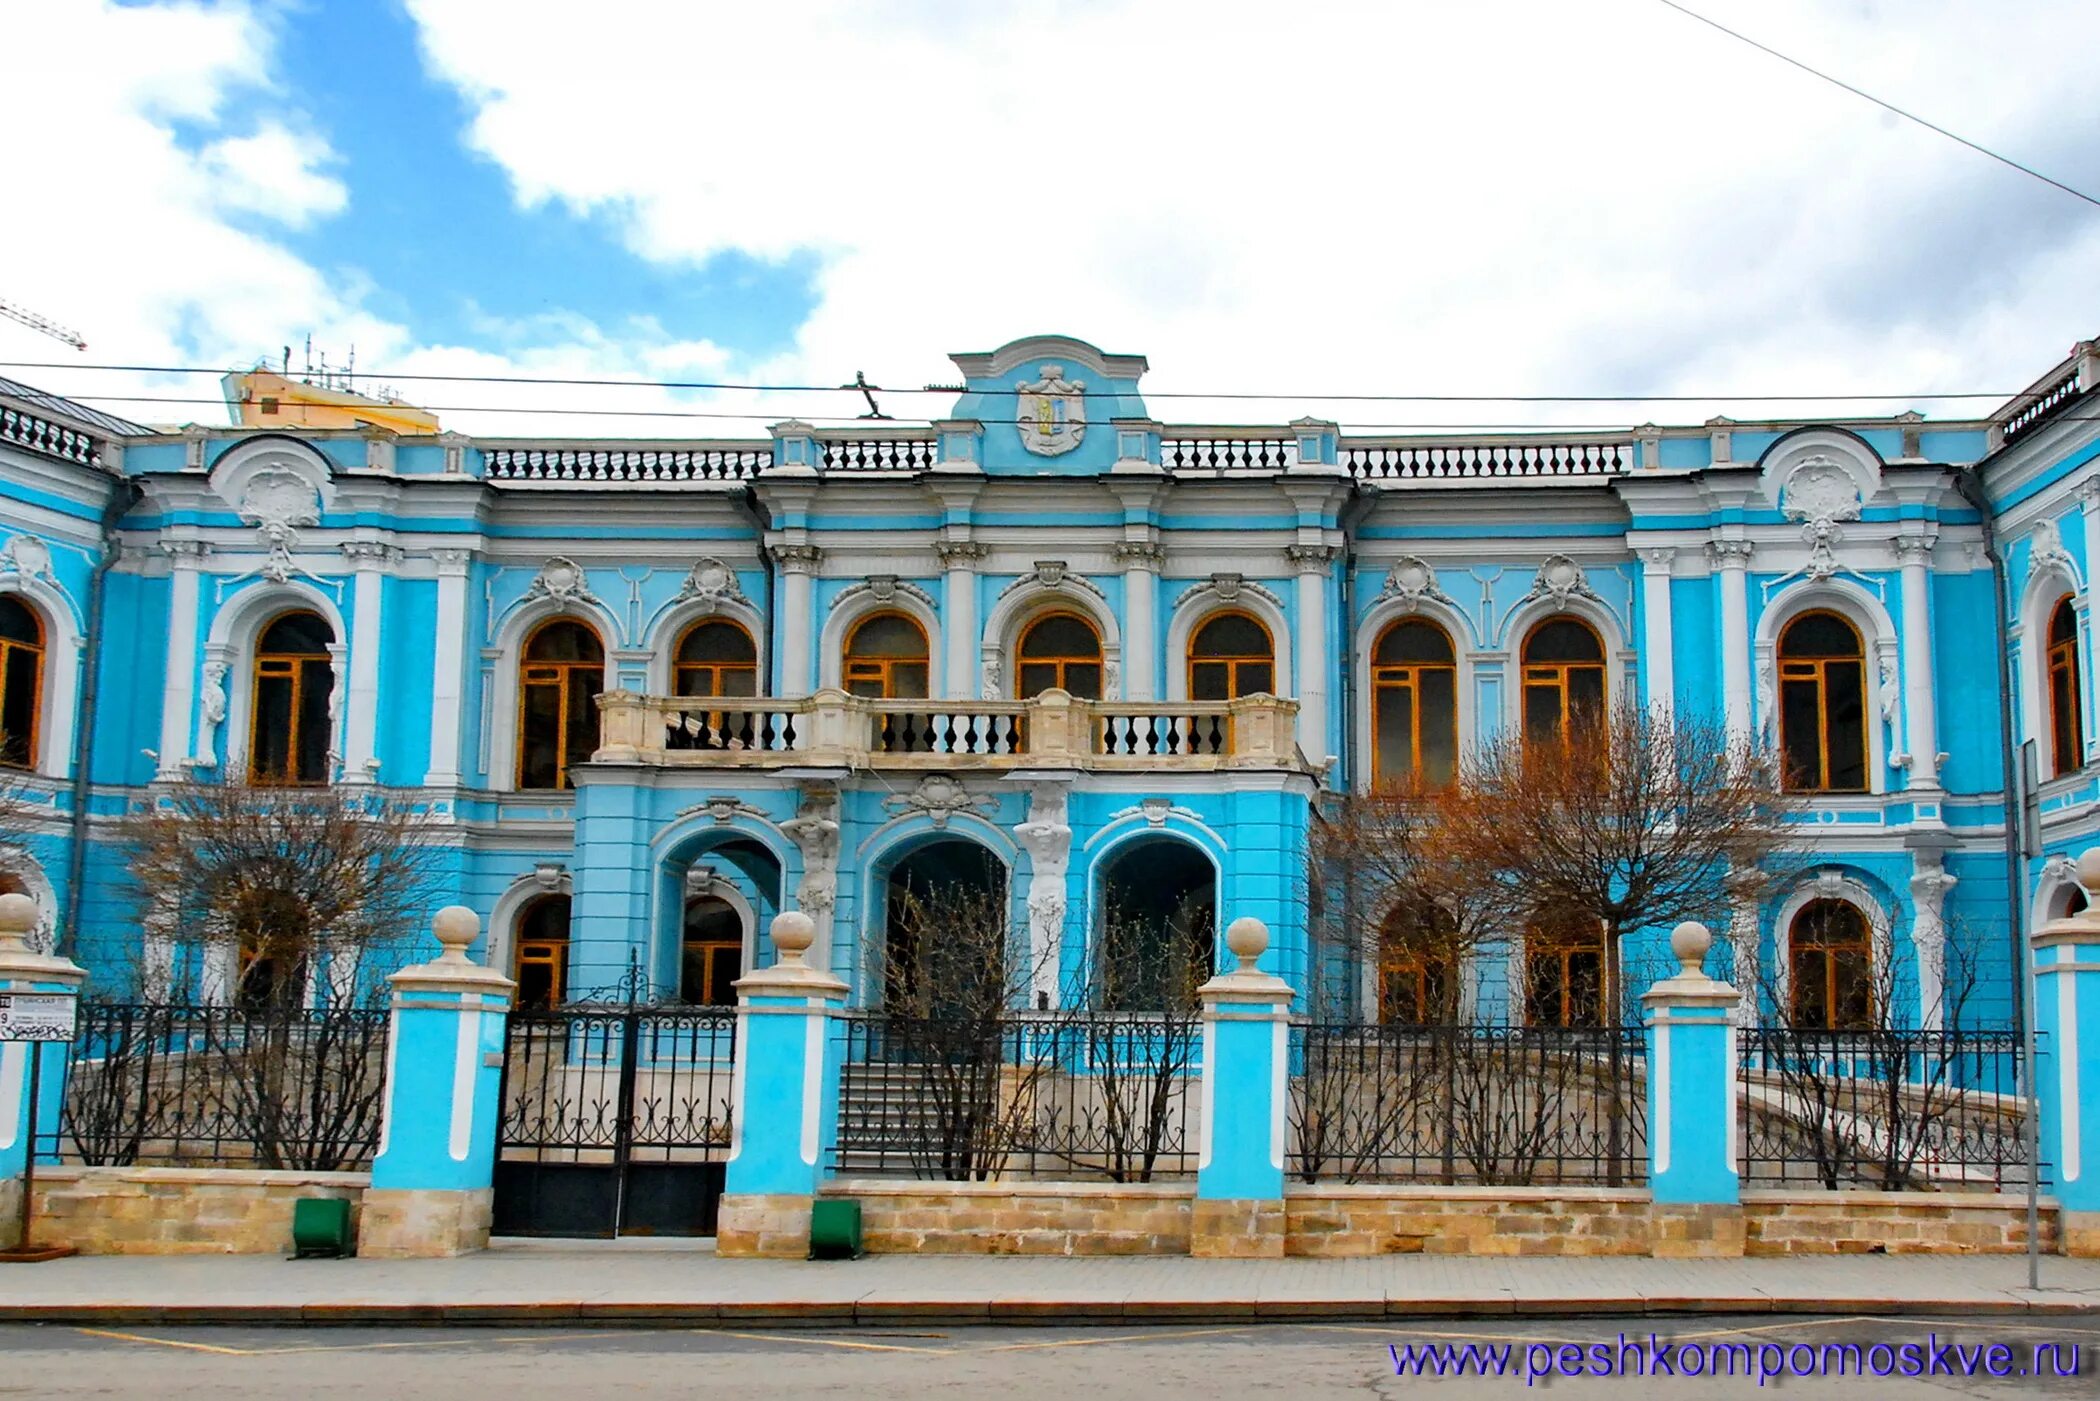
(1908, 116)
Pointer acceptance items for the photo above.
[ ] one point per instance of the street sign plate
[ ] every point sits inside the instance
(32, 1016)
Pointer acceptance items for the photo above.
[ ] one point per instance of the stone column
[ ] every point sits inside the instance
(1929, 885)
(23, 1064)
(1239, 1209)
(432, 1190)
(1141, 561)
(798, 622)
(448, 683)
(959, 560)
(2067, 1070)
(184, 587)
(1658, 656)
(1731, 560)
(1919, 727)
(361, 724)
(1692, 1105)
(785, 1098)
(1309, 661)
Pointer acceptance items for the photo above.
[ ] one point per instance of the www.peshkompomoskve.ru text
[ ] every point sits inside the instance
(1656, 1356)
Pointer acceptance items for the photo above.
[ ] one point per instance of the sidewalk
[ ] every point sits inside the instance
(563, 1283)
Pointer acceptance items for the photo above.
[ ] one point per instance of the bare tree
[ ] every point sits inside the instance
(1140, 1034)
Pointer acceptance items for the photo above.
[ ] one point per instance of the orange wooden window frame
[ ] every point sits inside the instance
(1232, 661)
(289, 666)
(882, 670)
(1559, 676)
(2063, 667)
(1407, 676)
(1816, 671)
(1060, 661)
(686, 677)
(557, 675)
(14, 653)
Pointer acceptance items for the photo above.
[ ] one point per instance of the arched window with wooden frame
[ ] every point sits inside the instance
(715, 657)
(1418, 964)
(559, 679)
(886, 658)
(712, 952)
(2066, 711)
(21, 682)
(1563, 680)
(1414, 706)
(290, 725)
(1823, 704)
(1566, 975)
(1231, 655)
(1830, 967)
(540, 953)
(1059, 651)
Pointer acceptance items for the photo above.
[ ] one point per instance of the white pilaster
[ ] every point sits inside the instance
(1657, 655)
(798, 622)
(1141, 560)
(184, 589)
(960, 558)
(2089, 501)
(1314, 564)
(1731, 559)
(1928, 891)
(361, 724)
(447, 692)
(1920, 731)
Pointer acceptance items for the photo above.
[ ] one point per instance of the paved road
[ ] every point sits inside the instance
(231, 1364)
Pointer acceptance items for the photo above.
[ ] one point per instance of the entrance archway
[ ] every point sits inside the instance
(946, 931)
(1156, 938)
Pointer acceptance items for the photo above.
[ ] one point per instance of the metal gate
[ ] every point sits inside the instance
(615, 1121)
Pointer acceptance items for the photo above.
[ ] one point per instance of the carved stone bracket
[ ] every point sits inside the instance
(939, 797)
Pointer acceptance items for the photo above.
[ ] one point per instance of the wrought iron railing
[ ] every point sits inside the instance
(1060, 1095)
(1881, 1109)
(625, 465)
(1401, 459)
(595, 1083)
(162, 1085)
(1489, 1105)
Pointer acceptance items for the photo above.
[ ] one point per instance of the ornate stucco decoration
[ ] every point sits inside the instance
(2046, 548)
(989, 689)
(27, 556)
(882, 589)
(723, 810)
(1155, 811)
(562, 581)
(211, 704)
(1560, 579)
(713, 583)
(1820, 494)
(1229, 590)
(1411, 580)
(1047, 837)
(938, 797)
(277, 501)
(814, 829)
(1052, 412)
(1053, 576)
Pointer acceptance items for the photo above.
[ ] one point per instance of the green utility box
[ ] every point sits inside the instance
(321, 1228)
(834, 1230)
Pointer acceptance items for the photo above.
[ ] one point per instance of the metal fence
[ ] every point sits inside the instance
(1488, 1105)
(1882, 1109)
(1062, 1095)
(171, 1085)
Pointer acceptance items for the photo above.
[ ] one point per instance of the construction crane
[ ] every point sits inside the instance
(37, 323)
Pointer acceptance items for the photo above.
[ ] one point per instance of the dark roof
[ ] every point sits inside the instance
(79, 413)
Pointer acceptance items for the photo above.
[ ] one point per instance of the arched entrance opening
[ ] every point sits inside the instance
(719, 897)
(1156, 940)
(946, 931)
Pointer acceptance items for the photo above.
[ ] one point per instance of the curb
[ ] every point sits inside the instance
(872, 1313)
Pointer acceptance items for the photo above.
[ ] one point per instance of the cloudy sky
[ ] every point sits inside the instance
(1316, 198)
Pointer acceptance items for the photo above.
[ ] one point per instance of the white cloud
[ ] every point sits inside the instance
(273, 172)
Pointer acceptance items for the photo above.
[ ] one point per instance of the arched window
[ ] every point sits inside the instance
(540, 961)
(1823, 705)
(886, 658)
(558, 684)
(1063, 651)
(713, 952)
(21, 681)
(271, 978)
(1417, 965)
(1830, 974)
(715, 658)
(1231, 656)
(1565, 975)
(1563, 680)
(2066, 721)
(289, 722)
(1414, 705)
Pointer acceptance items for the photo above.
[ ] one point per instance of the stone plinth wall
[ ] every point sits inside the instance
(1894, 1223)
(1338, 1221)
(180, 1211)
(10, 1211)
(1021, 1218)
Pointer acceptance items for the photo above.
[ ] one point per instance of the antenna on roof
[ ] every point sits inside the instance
(867, 390)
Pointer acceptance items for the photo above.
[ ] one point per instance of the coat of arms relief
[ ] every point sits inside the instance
(1052, 412)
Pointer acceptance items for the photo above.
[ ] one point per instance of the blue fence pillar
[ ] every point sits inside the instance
(32, 1073)
(432, 1184)
(1692, 1175)
(785, 1098)
(1238, 1209)
(2067, 1078)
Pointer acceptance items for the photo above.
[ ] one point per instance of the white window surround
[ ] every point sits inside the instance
(236, 630)
(672, 625)
(2029, 637)
(2052, 892)
(62, 663)
(500, 720)
(865, 601)
(1027, 600)
(1827, 884)
(1199, 605)
(1517, 628)
(1464, 653)
(1877, 633)
(511, 905)
(718, 888)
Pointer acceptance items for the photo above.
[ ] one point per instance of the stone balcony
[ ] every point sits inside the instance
(1052, 731)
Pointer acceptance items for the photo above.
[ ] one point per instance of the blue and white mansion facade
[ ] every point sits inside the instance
(650, 693)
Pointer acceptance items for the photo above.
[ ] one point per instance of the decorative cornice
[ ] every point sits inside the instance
(1140, 554)
(960, 554)
(1730, 554)
(797, 559)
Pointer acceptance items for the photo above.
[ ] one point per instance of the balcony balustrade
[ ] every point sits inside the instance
(1053, 730)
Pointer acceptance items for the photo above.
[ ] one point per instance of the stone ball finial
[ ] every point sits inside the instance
(2089, 875)
(1248, 938)
(17, 920)
(1689, 942)
(793, 933)
(456, 926)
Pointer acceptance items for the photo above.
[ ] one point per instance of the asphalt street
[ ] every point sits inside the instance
(1309, 1360)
